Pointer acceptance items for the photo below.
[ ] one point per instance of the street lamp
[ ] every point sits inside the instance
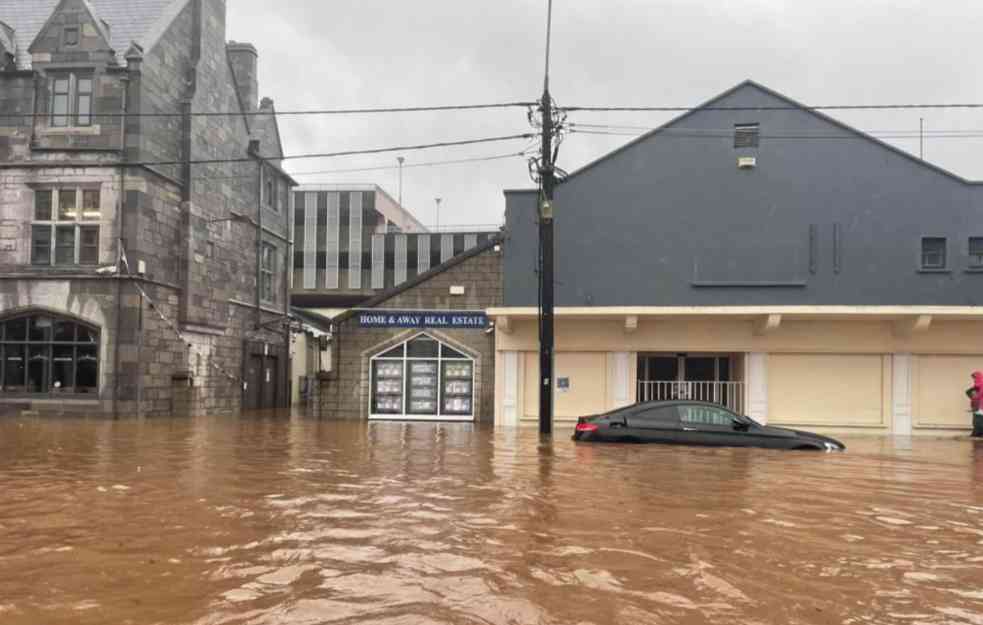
(437, 227)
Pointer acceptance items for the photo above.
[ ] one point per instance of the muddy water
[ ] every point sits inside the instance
(263, 521)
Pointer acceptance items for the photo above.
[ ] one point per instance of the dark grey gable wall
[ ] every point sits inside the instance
(672, 221)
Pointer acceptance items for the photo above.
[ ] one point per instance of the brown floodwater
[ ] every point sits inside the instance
(292, 521)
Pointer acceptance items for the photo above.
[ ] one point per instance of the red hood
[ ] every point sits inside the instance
(978, 377)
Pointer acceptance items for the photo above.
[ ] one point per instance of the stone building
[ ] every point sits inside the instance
(421, 350)
(144, 248)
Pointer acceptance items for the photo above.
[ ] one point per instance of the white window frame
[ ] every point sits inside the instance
(78, 222)
(402, 415)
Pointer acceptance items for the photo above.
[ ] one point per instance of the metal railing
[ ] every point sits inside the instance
(727, 394)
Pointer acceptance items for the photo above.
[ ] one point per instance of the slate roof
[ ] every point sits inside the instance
(129, 20)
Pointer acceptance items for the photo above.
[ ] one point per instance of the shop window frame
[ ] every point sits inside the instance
(382, 355)
(49, 345)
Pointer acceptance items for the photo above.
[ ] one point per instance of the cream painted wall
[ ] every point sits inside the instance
(735, 335)
(939, 386)
(589, 388)
(828, 389)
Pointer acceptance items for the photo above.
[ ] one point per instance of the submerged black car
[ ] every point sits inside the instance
(694, 423)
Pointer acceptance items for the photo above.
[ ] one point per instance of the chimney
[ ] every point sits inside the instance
(243, 58)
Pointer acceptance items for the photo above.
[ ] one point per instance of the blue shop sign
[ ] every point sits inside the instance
(462, 320)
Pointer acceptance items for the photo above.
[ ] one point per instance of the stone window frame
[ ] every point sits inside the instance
(83, 220)
(45, 349)
(78, 96)
(372, 353)
(267, 271)
(271, 191)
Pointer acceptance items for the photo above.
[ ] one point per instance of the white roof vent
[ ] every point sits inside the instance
(747, 162)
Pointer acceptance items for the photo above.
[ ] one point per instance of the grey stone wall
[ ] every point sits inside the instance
(200, 266)
(345, 395)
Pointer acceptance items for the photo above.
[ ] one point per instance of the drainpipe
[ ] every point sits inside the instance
(254, 152)
(34, 109)
(120, 218)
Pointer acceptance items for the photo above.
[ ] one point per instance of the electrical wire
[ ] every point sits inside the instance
(475, 159)
(860, 135)
(402, 148)
(784, 107)
(729, 131)
(297, 113)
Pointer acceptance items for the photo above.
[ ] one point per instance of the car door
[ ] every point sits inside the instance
(704, 424)
(654, 424)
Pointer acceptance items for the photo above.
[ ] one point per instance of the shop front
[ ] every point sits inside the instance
(878, 370)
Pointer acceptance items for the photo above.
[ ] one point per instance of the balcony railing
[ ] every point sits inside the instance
(727, 394)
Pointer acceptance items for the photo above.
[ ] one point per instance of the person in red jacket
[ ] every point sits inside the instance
(975, 394)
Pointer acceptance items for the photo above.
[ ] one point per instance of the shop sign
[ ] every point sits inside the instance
(462, 320)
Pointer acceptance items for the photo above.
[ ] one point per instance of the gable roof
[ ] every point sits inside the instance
(420, 279)
(129, 20)
(792, 104)
(99, 24)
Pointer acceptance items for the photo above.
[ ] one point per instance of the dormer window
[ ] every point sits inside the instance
(71, 36)
(71, 100)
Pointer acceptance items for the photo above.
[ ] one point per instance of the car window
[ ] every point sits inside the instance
(705, 415)
(654, 416)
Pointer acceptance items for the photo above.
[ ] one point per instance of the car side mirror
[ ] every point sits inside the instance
(741, 426)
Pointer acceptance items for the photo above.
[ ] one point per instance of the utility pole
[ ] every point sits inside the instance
(400, 160)
(547, 183)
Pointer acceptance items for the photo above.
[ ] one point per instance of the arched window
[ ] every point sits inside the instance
(46, 354)
(422, 379)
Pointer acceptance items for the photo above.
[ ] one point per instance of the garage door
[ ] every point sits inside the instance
(939, 384)
(826, 389)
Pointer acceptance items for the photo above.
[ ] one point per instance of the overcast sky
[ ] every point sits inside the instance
(364, 53)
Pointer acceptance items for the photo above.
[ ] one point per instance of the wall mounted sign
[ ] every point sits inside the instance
(460, 320)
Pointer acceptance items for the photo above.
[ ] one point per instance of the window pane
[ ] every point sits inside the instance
(83, 111)
(38, 364)
(85, 85)
(65, 245)
(447, 352)
(62, 369)
(90, 204)
(42, 205)
(66, 204)
(15, 368)
(87, 335)
(87, 369)
(40, 328)
(746, 135)
(71, 36)
(41, 245)
(16, 329)
(705, 415)
(976, 251)
(64, 331)
(396, 352)
(422, 348)
(59, 110)
(89, 245)
(387, 387)
(422, 387)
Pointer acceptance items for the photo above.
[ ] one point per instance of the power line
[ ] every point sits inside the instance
(380, 167)
(729, 131)
(402, 148)
(718, 135)
(297, 113)
(784, 107)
